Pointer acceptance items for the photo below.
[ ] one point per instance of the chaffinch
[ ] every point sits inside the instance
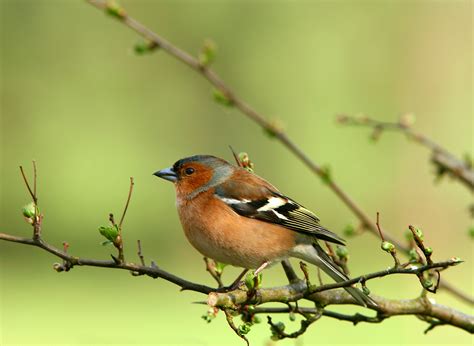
(235, 217)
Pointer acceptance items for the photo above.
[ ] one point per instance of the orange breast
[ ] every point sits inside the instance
(217, 232)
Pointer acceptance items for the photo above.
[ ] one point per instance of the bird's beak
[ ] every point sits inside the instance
(167, 174)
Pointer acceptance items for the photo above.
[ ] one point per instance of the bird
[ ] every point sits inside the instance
(236, 217)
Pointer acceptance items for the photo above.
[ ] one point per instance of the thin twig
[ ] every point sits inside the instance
(139, 252)
(230, 322)
(152, 271)
(32, 194)
(127, 203)
(236, 157)
(441, 157)
(391, 248)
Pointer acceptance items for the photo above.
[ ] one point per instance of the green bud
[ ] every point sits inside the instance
(407, 120)
(251, 308)
(275, 127)
(220, 267)
(57, 267)
(419, 233)
(471, 232)
(427, 283)
(366, 290)
(208, 53)
(141, 48)
(221, 98)
(342, 252)
(456, 260)
(413, 256)
(115, 10)
(292, 316)
(109, 232)
(244, 328)
(245, 161)
(280, 326)
(468, 160)
(210, 314)
(349, 230)
(428, 251)
(29, 211)
(250, 282)
(256, 319)
(387, 246)
(326, 174)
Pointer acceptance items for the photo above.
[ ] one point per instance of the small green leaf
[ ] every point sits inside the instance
(387, 246)
(106, 242)
(349, 230)
(220, 267)
(109, 232)
(413, 256)
(244, 328)
(419, 233)
(427, 283)
(113, 9)
(250, 280)
(326, 174)
(208, 52)
(279, 326)
(342, 252)
(292, 316)
(471, 232)
(142, 48)
(221, 98)
(29, 211)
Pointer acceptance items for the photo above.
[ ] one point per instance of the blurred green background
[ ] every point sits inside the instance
(75, 98)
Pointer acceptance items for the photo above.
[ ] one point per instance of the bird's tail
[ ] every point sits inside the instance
(319, 258)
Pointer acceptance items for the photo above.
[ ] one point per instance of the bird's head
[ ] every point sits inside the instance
(196, 174)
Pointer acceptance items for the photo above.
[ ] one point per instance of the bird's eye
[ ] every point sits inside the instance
(189, 171)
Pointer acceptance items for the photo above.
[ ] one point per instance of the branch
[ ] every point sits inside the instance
(152, 271)
(324, 295)
(231, 99)
(386, 307)
(443, 159)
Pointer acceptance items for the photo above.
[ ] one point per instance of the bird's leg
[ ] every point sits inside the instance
(259, 269)
(235, 284)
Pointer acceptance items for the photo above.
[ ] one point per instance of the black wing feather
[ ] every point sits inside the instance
(285, 212)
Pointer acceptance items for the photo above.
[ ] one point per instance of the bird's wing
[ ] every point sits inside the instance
(260, 200)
